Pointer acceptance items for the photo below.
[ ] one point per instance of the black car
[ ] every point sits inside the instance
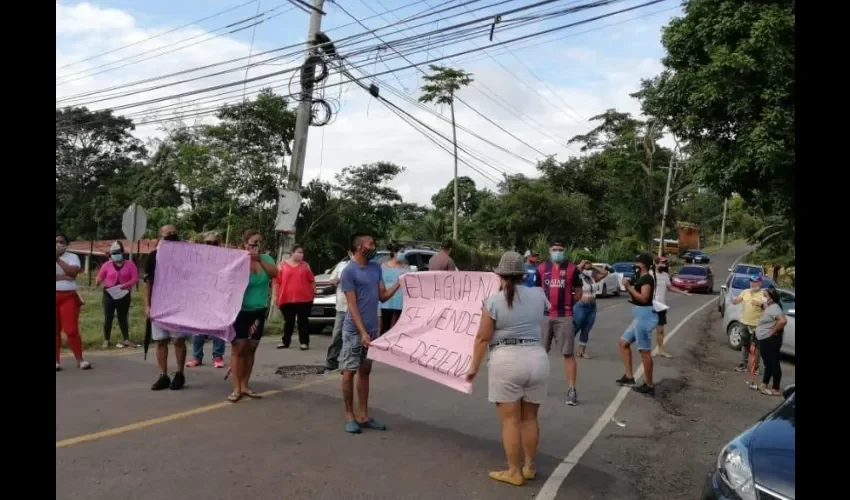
(696, 257)
(760, 463)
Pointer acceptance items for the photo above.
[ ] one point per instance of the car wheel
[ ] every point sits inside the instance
(617, 290)
(604, 290)
(733, 334)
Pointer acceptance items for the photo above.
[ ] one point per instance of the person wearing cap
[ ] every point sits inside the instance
(123, 274)
(663, 284)
(211, 238)
(753, 304)
(644, 323)
(562, 285)
(531, 258)
(518, 368)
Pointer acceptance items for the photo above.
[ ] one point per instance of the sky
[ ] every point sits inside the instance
(539, 92)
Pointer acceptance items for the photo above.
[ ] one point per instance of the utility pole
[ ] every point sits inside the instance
(723, 224)
(291, 195)
(454, 140)
(666, 203)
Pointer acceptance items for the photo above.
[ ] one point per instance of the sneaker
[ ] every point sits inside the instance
(327, 371)
(58, 367)
(105, 345)
(178, 382)
(282, 346)
(84, 365)
(572, 397)
(304, 347)
(741, 368)
(161, 383)
(624, 380)
(644, 389)
(218, 362)
(192, 363)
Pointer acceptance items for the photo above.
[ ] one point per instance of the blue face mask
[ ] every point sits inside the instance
(557, 256)
(117, 257)
(400, 257)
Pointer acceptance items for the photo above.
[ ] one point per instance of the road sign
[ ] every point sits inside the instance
(134, 223)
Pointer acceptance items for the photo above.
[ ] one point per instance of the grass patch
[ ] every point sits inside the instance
(91, 317)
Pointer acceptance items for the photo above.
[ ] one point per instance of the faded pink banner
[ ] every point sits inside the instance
(435, 334)
(198, 289)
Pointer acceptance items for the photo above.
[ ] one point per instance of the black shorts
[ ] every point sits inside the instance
(662, 317)
(250, 324)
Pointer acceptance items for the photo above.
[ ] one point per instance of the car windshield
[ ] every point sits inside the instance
(743, 282)
(693, 271)
(751, 270)
(622, 267)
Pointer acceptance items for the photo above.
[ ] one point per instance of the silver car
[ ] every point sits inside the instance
(733, 326)
(735, 284)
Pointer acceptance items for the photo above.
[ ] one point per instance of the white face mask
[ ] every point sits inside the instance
(588, 273)
(61, 248)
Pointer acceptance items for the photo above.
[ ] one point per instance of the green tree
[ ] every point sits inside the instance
(440, 88)
(367, 202)
(728, 89)
(469, 197)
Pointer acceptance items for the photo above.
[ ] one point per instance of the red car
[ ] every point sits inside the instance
(695, 279)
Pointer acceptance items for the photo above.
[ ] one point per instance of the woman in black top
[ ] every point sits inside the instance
(644, 323)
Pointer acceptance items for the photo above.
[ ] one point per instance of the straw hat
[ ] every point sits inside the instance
(510, 265)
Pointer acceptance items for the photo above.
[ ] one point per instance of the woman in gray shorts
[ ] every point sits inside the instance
(518, 368)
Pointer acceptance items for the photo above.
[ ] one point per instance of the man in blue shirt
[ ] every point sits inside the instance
(361, 282)
(530, 277)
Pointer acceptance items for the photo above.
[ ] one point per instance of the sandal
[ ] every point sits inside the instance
(529, 472)
(503, 476)
(251, 394)
(234, 397)
(770, 392)
(584, 355)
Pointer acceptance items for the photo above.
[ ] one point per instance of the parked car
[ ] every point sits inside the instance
(735, 284)
(624, 270)
(610, 284)
(733, 327)
(323, 312)
(696, 257)
(748, 269)
(759, 464)
(695, 279)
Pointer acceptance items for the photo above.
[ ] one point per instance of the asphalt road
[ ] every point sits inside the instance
(117, 439)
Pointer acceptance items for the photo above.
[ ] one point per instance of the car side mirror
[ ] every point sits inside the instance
(414, 268)
(723, 287)
(788, 391)
(792, 312)
(730, 269)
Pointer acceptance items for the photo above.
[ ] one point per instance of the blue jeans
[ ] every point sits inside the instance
(584, 316)
(198, 347)
(642, 326)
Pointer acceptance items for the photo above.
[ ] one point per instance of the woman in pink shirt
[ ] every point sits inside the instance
(295, 290)
(118, 277)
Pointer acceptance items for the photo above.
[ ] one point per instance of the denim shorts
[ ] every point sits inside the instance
(640, 330)
(353, 353)
(159, 334)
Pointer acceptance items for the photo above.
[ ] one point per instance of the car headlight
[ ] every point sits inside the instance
(734, 467)
(702, 282)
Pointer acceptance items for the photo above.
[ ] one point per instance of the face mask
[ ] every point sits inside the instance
(400, 256)
(588, 273)
(369, 253)
(171, 237)
(663, 269)
(61, 248)
(298, 257)
(557, 256)
(117, 257)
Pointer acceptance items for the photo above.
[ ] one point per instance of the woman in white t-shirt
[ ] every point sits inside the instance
(68, 302)
(663, 283)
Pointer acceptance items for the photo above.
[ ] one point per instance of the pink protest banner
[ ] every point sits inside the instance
(198, 288)
(435, 334)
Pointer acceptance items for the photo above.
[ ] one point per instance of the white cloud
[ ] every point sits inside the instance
(365, 132)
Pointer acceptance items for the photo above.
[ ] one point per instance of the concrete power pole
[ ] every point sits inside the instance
(290, 199)
(454, 140)
(723, 224)
(666, 203)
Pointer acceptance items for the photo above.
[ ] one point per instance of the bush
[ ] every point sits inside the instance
(472, 259)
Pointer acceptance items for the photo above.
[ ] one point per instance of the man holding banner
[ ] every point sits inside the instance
(364, 289)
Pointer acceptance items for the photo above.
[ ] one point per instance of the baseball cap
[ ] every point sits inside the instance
(756, 278)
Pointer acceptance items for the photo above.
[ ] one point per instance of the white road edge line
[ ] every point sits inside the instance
(553, 483)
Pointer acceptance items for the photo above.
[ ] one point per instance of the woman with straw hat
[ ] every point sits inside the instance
(518, 368)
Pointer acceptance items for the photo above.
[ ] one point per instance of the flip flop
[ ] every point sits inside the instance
(234, 397)
(529, 472)
(503, 477)
(352, 427)
(372, 424)
(769, 392)
(251, 394)
(584, 355)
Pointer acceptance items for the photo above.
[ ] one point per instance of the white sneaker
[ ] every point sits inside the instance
(58, 368)
(105, 345)
(304, 347)
(85, 365)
